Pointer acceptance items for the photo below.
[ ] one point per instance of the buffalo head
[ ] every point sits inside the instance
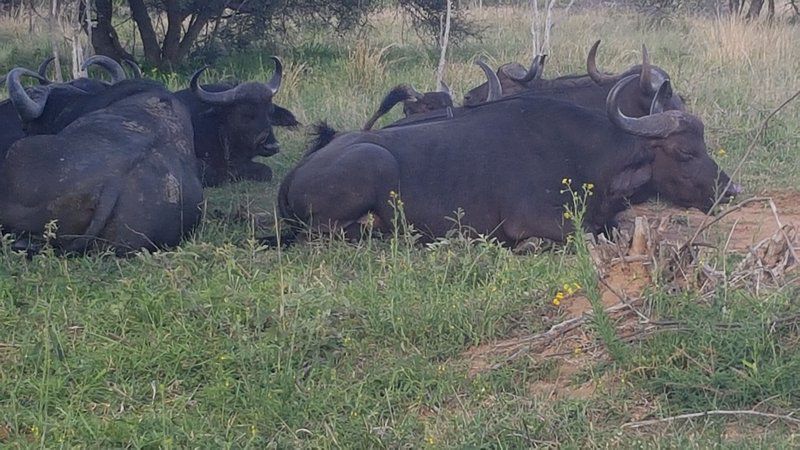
(682, 171)
(512, 78)
(246, 115)
(636, 97)
(414, 102)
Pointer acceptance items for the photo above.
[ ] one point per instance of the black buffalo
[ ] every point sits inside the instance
(233, 125)
(413, 102)
(422, 107)
(590, 90)
(505, 170)
(121, 174)
(49, 107)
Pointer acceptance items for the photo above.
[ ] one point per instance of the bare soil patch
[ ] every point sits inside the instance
(625, 270)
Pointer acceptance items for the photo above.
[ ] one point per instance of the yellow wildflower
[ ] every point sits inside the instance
(577, 350)
(567, 215)
(721, 152)
(430, 440)
(566, 181)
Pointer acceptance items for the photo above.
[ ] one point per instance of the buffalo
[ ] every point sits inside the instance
(233, 124)
(59, 104)
(590, 90)
(432, 104)
(503, 169)
(413, 102)
(121, 174)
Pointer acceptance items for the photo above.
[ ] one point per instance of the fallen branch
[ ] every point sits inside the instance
(789, 243)
(644, 423)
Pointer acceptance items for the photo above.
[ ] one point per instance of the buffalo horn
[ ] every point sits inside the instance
(113, 68)
(44, 66)
(275, 83)
(225, 97)
(534, 73)
(645, 77)
(663, 94)
(137, 71)
(27, 108)
(591, 66)
(495, 90)
(658, 125)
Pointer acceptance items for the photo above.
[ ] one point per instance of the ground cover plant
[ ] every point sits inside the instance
(223, 343)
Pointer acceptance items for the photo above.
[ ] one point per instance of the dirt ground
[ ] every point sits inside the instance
(623, 278)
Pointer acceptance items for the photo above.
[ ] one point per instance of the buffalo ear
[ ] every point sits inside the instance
(282, 117)
(630, 179)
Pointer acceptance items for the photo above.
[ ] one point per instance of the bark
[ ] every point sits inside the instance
(172, 39)
(734, 6)
(52, 24)
(104, 38)
(152, 51)
(755, 9)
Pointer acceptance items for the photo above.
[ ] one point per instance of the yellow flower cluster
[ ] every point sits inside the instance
(567, 290)
(566, 181)
(721, 152)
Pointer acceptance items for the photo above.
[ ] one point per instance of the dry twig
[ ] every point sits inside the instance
(719, 412)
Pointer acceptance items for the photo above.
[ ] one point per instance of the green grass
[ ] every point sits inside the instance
(223, 344)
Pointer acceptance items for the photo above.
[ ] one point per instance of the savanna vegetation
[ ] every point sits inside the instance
(222, 343)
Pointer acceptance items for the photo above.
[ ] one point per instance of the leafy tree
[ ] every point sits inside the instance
(189, 20)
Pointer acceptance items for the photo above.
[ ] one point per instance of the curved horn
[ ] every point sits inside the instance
(654, 126)
(42, 70)
(645, 77)
(663, 94)
(137, 71)
(591, 66)
(113, 68)
(27, 108)
(275, 83)
(215, 98)
(495, 89)
(535, 71)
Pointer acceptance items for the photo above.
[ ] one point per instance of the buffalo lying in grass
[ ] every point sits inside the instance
(121, 174)
(413, 102)
(61, 102)
(502, 170)
(233, 125)
(590, 90)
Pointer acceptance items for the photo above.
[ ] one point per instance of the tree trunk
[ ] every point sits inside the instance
(755, 9)
(52, 23)
(172, 38)
(152, 51)
(104, 38)
(734, 6)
